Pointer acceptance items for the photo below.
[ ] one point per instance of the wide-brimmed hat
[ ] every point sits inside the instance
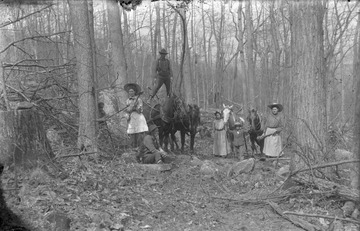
(238, 124)
(133, 86)
(217, 112)
(152, 127)
(163, 51)
(279, 106)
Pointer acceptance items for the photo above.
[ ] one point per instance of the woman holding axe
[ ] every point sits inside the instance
(136, 120)
(273, 125)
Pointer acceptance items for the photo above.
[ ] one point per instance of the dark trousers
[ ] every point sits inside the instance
(136, 139)
(239, 151)
(152, 158)
(160, 81)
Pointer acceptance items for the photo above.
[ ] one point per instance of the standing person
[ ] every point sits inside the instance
(150, 151)
(136, 120)
(162, 74)
(239, 140)
(273, 125)
(221, 145)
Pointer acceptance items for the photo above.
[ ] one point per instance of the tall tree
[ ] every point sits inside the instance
(84, 66)
(117, 53)
(356, 72)
(249, 53)
(308, 73)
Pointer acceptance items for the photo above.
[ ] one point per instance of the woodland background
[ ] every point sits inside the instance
(65, 56)
(60, 58)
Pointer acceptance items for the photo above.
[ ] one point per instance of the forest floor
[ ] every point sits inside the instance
(113, 193)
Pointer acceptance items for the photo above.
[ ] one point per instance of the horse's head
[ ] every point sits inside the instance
(227, 112)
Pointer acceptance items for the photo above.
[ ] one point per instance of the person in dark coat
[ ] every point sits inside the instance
(163, 74)
(150, 152)
(239, 140)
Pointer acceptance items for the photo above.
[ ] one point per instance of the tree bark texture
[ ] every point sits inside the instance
(249, 54)
(117, 54)
(309, 89)
(356, 71)
(23, 138)
(84, 57)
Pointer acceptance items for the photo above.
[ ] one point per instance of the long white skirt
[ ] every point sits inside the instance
(272, 144)
(137, 123)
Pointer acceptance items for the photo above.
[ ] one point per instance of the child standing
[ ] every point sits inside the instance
(239, 140)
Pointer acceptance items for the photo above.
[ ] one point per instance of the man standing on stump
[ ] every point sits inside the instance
(163, 74)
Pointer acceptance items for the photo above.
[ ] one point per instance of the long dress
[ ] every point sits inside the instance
(273, 143)
(221, 145)
(137, 122)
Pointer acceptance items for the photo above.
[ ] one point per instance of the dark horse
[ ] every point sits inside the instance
(172, 116)
(186, 121)
(255, 130)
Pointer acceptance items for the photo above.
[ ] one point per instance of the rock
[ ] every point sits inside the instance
(156, 167)
(59, 221)
(244, 166)
(284, 171)
(341, 154)
(350, 227)
(336, 226)
(355, 214)
(208, 168)
(54, 137)
(196, 161)
(348, 208)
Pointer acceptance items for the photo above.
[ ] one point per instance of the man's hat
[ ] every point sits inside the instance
(133, 86)
(163, 51)
(152, 127)
(279, 106)
(252, 108)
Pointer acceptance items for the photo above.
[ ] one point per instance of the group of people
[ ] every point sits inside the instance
(269, 134)
(143, 137)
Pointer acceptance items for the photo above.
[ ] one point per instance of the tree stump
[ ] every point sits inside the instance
(23, 139)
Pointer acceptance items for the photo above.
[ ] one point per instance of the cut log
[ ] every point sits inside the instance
(23, 138)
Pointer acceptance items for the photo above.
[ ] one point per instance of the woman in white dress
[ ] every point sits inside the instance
(136, 121)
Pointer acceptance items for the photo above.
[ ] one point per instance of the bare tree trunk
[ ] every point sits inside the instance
(356, 73)
(275, 86)
(355, 172)
(94, 66)
(84, 57)
(2, 77)
(249, 53)
(308, 71)
(164, 17)
(242, 70)
(157, 35)
(187, 76)
(356, 59)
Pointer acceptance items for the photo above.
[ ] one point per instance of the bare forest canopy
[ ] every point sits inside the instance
(246, 53)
